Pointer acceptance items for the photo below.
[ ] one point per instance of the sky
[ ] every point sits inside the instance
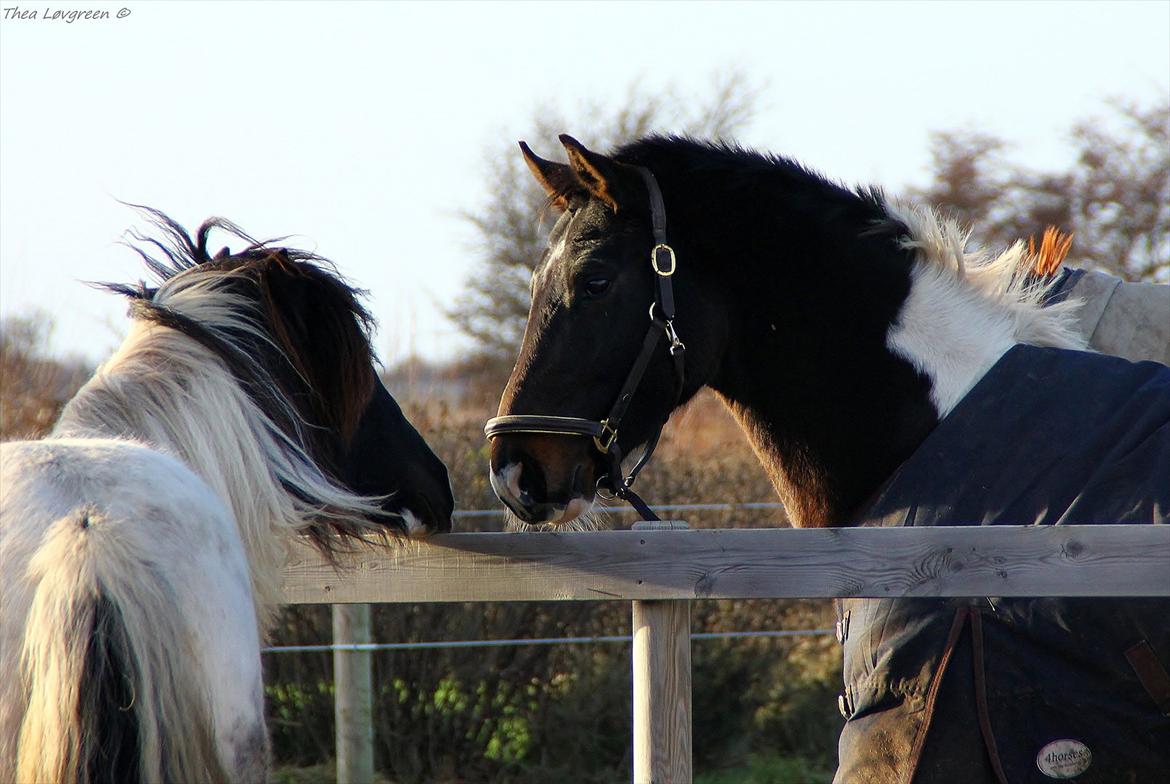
(364, 129)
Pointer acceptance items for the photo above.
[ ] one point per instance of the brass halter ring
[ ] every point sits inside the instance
(662, 246)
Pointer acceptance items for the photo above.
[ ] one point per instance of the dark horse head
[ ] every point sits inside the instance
(595, 293)
(301, 350)
(786, 290)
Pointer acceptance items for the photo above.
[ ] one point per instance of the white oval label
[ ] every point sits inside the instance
(1064, 759)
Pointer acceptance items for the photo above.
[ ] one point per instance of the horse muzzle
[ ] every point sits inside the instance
(543, 479)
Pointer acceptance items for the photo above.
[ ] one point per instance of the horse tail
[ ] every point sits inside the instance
(109, 699)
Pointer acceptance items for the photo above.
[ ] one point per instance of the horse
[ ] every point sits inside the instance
(141, 540)
(886, 374)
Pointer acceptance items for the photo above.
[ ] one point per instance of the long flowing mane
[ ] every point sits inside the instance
(142, 539)
(219, 371)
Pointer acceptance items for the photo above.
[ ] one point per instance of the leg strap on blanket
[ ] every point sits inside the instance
(1151, 673)
(981, 694)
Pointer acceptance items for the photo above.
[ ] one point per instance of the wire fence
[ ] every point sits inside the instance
(415, 646)
(463, 514)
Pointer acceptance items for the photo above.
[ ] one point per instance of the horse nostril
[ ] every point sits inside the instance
(506, 483)
(512, 474)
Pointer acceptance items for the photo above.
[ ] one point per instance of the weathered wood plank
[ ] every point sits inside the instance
(661, 670)
(1102, 560)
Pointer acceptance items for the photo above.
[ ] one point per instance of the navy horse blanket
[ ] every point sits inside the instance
(1021, 691)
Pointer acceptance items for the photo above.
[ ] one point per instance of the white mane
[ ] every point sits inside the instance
(166, 391)
(967, 307)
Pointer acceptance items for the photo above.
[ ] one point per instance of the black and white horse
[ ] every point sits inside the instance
(885, 374)
(140, 542)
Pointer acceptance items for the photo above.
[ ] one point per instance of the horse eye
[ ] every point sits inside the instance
(595, 287)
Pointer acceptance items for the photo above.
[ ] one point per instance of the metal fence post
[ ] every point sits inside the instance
(661, 665)
(352, 700)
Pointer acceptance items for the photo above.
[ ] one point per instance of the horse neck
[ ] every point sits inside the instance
(847, 343)
(169, 393)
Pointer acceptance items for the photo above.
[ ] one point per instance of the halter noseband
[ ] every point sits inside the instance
(605, 432)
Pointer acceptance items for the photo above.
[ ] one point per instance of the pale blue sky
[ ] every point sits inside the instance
(362, 128)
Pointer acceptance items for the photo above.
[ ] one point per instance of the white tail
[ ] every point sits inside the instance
(103, 660)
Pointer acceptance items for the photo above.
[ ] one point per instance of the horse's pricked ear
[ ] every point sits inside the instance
(1054, 247)
(556, 178)
(601, 176)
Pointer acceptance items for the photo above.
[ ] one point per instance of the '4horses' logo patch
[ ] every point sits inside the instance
(1064, 759)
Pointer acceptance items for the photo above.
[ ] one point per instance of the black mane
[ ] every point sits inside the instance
(753, 191)
(727, 158)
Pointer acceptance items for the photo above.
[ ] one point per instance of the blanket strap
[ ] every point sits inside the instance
(981, 695)
(957, 625)
(1151, 673)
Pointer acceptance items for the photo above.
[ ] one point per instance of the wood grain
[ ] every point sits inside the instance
(1099, 560)
(661, 669)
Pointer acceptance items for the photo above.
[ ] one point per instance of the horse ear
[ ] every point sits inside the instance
(556, 178)
(603, 177)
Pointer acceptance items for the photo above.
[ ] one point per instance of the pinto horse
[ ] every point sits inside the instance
(885, 375)
(141, 541)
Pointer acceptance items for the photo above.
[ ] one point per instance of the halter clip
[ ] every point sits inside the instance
(605, 440)
(676, 345)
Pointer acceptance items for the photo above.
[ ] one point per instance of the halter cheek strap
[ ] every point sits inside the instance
(605, 432)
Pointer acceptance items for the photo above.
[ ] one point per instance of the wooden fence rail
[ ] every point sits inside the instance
(1105, 560)
(662, 571)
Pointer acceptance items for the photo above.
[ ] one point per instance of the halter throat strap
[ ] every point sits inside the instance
(605, 432)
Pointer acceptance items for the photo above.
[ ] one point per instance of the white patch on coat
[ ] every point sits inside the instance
(966, 308)
(415, 528)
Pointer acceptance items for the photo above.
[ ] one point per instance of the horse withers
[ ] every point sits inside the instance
(141, 541)
(886, 375)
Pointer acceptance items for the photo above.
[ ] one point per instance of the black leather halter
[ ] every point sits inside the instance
(605, 432)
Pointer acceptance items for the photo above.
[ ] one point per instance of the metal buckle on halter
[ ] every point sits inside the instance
(654, 253)
(605, 440)
(676, 345)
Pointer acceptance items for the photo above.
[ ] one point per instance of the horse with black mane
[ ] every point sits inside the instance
(885, 375)
(141, 541)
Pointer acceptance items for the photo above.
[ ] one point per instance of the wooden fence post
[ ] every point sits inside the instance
(662, 686)
(352, 699)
